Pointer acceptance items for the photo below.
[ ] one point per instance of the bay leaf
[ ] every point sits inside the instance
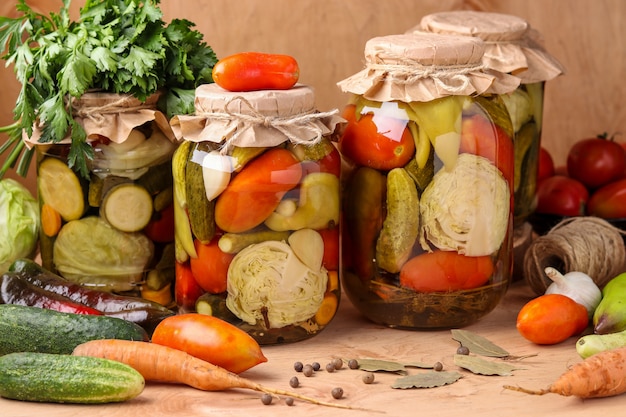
(478, 344)
(420, 365)
(374, 365)
(430, 379)
(482, 366)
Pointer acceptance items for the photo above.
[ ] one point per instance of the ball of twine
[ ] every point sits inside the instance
(586, 244)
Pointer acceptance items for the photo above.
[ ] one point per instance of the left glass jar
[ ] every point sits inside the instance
(111, 228)
(257, 203)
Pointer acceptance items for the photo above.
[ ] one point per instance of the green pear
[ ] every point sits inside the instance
(610, 315)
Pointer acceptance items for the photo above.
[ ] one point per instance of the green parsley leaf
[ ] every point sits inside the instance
(118, 46)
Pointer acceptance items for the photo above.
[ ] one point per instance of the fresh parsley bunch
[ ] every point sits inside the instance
(116, 46)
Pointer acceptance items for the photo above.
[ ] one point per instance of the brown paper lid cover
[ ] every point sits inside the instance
(511, 45)
(255, 118)
(423, 67)
(110, 115)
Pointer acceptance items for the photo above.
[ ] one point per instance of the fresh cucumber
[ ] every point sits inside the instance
(591, 344)
(45, 377)
(33, 329)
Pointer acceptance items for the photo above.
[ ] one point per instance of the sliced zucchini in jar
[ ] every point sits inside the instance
(127, 207)
(60, 187)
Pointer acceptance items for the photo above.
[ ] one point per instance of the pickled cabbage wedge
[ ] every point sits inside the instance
(476, 227)
(269, 285)
(91, 252)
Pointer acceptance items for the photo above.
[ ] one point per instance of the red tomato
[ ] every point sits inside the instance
(561, 170)
(561, 195)
(596, 161)
(551, 319)
(186, 288)
(161, 227)
(480, 137)
(546, 165)
(445, 271)
(251, 71)
(210, 268)
(330, 237)
(378, 142)
(331, 163)
(609, 201)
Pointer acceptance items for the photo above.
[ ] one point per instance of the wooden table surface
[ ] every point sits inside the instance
(351, 336)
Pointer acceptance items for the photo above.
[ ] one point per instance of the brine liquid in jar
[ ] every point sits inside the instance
(427, 196)
(426, 238)
(257, 213)
(511, 46)
(116, 219)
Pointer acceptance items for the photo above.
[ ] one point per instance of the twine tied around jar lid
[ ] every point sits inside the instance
(256, 118)
(511, 45)
(110, 115)
(424, 67)
(584, 244)
(409, 71)
(96, 106)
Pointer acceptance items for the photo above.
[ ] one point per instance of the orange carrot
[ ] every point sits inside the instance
(50, 220)
(600, 375)
(159, 363)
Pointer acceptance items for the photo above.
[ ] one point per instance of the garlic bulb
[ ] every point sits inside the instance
(578, 286)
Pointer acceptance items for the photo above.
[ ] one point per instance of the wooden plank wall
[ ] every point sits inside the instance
(327, 38)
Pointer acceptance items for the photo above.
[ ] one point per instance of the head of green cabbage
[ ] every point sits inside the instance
(19, 222)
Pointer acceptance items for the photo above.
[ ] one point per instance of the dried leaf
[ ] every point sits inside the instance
(429, 379)
(420, 365)
(478, 344)
(374, 365)
(481, 366)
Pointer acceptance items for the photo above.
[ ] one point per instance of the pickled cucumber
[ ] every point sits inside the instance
(422, 175)
(179, 165)
(364, 217)
(199, 209)
(401, 225)
(524, 140)
(184, 239)
(242, 155)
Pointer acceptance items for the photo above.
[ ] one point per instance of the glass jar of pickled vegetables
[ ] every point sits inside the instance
(110, 224)
(427, 184)
(511, 46)
(257, 203)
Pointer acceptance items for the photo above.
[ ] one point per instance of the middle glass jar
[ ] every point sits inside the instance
(257, 203)
(428, 174)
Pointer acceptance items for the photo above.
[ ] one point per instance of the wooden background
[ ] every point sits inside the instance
(327, 38)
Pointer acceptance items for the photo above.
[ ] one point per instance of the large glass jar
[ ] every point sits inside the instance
(112, 226)
(427, 201)
(511, 46)
(257, 192)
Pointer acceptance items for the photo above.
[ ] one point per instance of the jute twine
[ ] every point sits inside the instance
(584, 244)
(408, 71)
(251, 117)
